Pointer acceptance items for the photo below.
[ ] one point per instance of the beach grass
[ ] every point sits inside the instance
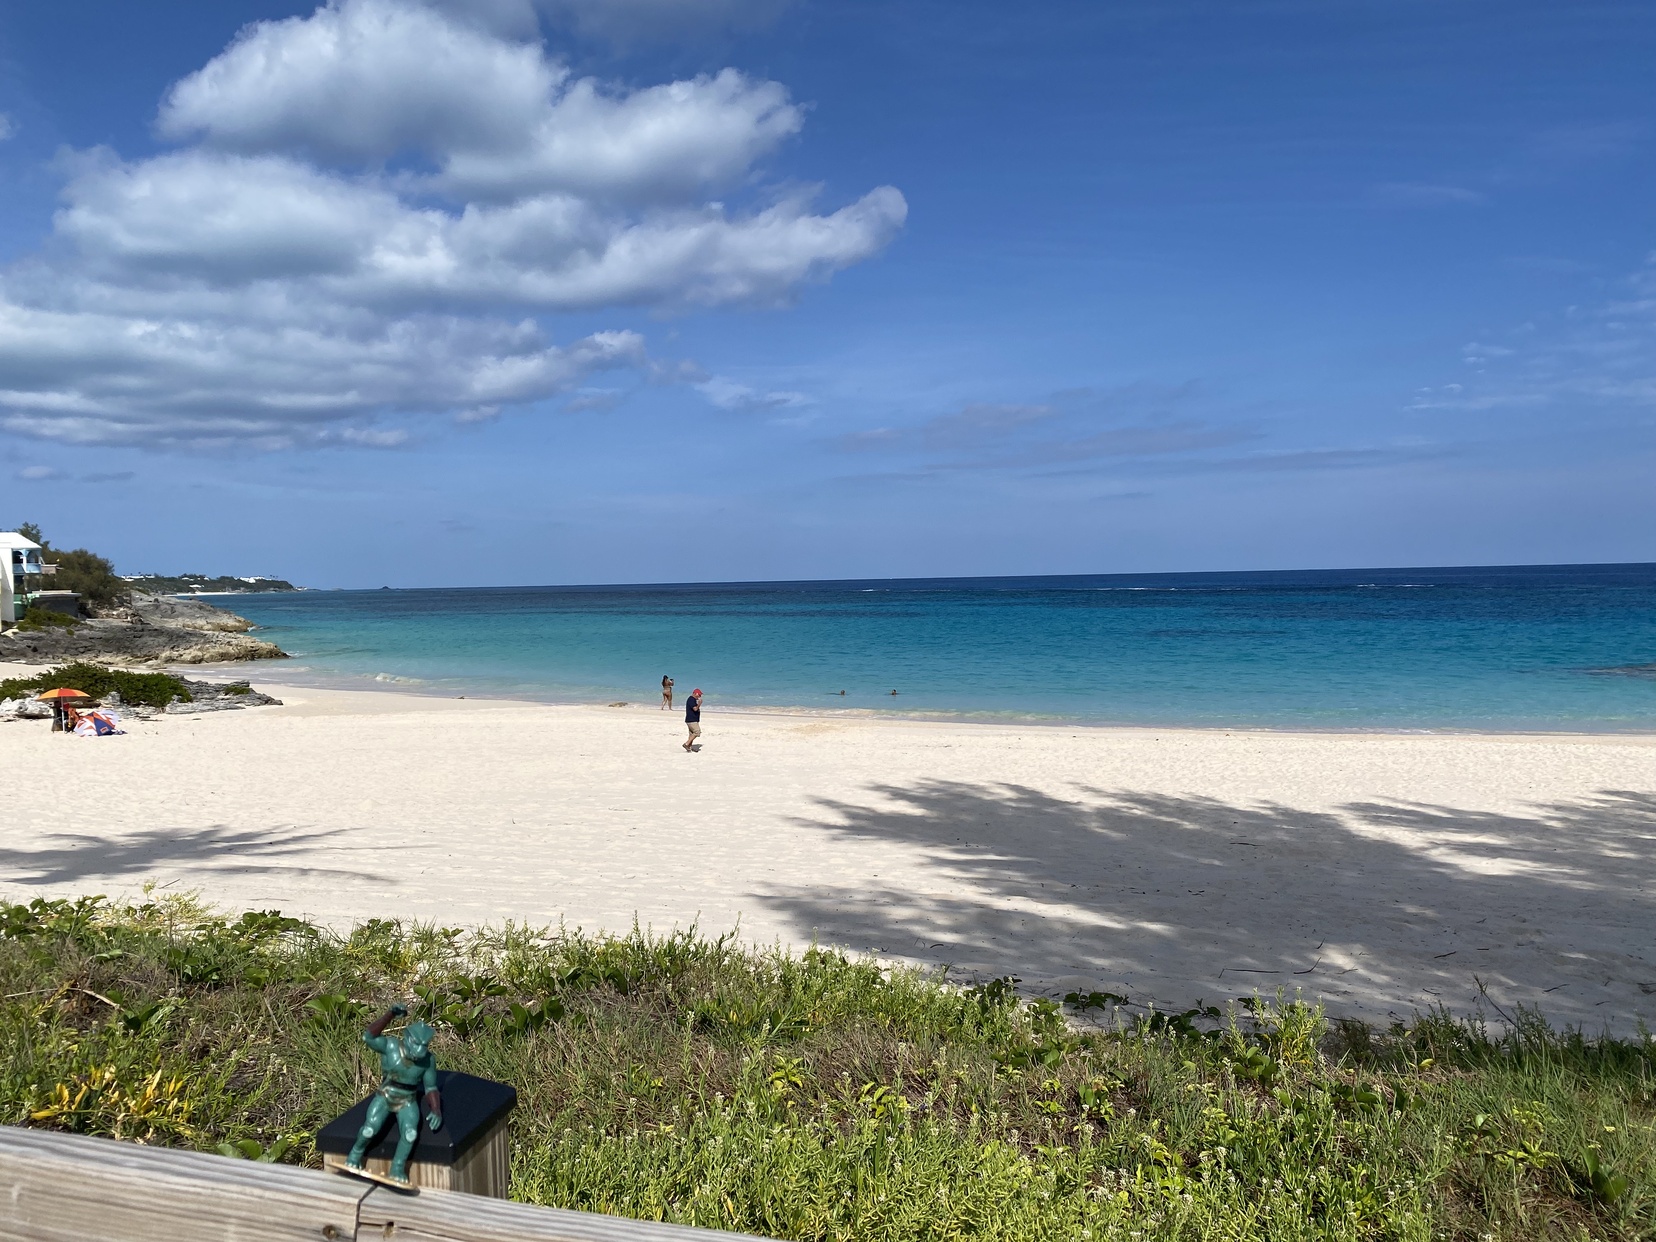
(687, 1078)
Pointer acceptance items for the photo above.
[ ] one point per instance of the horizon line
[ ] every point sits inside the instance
(784, 582)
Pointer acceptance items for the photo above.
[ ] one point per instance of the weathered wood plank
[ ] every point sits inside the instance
(446, 1216)
(69, 1188)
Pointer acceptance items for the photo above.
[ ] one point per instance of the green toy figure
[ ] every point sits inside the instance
(408, 1067)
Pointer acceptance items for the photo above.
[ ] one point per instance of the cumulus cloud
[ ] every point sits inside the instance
(371, 80)
(199, 384)
(233, 221)
(368, 209)
(361, 80)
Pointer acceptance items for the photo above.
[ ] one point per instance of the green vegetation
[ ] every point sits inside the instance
(87, 573)
(38, 618)
(151, 689)
(684, 1079)
(187, 584)
(100, 587)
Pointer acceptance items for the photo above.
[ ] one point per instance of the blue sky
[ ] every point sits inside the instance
(511, 291)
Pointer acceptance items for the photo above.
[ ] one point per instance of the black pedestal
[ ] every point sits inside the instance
(468, 1153)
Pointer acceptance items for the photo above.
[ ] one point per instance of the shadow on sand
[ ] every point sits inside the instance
(79, 857)
(1379, 908)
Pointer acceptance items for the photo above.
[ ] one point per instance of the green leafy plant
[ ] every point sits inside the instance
(333, 1009)
(899, 1108)
(1254, 1063)
(151, 689)
(521, 1019)
(36, 618)
(144, 1017)
(1093, 1000)
(1604, 1184)
(252, 1149)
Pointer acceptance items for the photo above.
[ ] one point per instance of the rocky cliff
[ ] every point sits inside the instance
(153, 629)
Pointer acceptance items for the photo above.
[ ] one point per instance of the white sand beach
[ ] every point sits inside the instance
(1381, 873)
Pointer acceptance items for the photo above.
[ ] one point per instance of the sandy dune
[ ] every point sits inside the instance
(1378, 872)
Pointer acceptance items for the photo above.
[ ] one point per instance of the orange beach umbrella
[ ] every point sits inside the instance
(63, 693)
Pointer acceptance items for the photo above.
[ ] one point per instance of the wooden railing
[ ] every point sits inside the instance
(69, 1188)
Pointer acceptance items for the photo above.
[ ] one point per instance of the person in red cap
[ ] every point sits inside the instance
(692, 717)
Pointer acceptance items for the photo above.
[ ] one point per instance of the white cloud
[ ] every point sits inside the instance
(657, 144)
(232, 221)
(727, 394)
(1595, 362)
(361, 80)
(374, 437)
(370, 201)
(114, 380)
(8, 127)
(34, 474)
(369, 80)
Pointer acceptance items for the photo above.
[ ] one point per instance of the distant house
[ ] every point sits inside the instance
(22, 580)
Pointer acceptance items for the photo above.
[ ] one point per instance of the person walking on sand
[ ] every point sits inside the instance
(692, 718)
(666, 693)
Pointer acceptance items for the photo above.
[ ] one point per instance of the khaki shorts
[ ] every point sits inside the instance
(695, 728)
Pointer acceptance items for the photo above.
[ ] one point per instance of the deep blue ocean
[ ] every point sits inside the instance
(1523, 648)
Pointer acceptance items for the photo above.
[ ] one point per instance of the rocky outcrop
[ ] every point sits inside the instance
(171, 612)
(213, 696)
(205, 696)
(153, 629)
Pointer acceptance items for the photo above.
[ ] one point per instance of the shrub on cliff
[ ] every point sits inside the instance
(89, 574)
(37, 618)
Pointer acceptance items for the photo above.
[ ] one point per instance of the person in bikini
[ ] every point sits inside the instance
(666, 694)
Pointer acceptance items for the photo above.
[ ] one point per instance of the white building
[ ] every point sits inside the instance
(22, 561)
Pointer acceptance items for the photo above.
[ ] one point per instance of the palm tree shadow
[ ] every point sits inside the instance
(75, 858)
(1377, 908)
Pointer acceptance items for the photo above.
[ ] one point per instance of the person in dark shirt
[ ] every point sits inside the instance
(692, 718)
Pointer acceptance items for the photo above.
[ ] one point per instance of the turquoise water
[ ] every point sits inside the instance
(1551, 647)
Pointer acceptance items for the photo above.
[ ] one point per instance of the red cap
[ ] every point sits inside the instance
(696, 691)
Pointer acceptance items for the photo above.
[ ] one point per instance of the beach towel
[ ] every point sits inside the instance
(98, 724)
